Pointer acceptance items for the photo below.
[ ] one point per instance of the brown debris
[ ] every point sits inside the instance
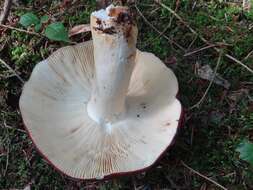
(98, 21)
(125, 18)
(114, 12)
(6, 11)
(110, 30)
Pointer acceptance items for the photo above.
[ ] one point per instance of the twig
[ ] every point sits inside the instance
(16, 7)
(201, 37)
(205, 177)
(134, 183)
(21, 30)
(249, 54)
(198, 50)
(239, 62)
(16, 129)
(29, 32)
(210, 84)
(193, 41)
(177, 16)
(6, 76)
(155, 29)
(6, 11)
(12, 70)
(7, 161)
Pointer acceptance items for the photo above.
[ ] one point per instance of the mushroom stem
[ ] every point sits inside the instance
(114, 39)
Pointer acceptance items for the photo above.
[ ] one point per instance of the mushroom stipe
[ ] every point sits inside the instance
(102, 108)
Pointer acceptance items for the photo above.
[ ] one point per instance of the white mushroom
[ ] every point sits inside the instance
(102, 107)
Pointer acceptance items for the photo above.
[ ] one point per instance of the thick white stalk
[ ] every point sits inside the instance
(114, 39)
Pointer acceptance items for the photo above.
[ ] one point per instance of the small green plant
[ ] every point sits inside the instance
(29, 19)
(54, 31)
(245, 149)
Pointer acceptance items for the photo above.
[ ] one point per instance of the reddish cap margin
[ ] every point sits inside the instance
(107, 177)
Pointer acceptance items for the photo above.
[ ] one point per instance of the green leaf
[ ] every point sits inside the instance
(28, 19)
(57, 31)
(44, 19)
(246, 151)
(38, 27)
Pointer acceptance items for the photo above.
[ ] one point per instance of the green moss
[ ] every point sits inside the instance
(82, 16)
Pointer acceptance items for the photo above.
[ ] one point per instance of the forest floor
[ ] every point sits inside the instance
(199, 40)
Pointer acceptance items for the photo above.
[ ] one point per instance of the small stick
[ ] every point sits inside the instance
(6, 76)
(12, 70)
(28, 32)
(249, 54)
(6, 11)
(16, 129)
(193, 41)
(205, 177)
(21, 30)
(201, 37)
(198, 50)
(210, 84)
(239, 62)
(7, 161)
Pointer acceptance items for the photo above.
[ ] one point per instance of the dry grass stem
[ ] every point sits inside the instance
(203, 176)
(12, 70)
(201, 37)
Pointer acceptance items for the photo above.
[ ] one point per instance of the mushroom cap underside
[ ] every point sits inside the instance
(53, 106)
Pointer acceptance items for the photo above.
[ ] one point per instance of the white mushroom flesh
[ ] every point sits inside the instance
(131, 123)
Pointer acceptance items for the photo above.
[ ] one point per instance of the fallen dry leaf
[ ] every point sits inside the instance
(206, 72)
(28, 187)
(79, 29)
(246, 5)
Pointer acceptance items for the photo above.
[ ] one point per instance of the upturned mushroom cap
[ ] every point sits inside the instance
(54, 110)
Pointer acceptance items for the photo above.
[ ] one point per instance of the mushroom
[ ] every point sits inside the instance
(102, 107)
